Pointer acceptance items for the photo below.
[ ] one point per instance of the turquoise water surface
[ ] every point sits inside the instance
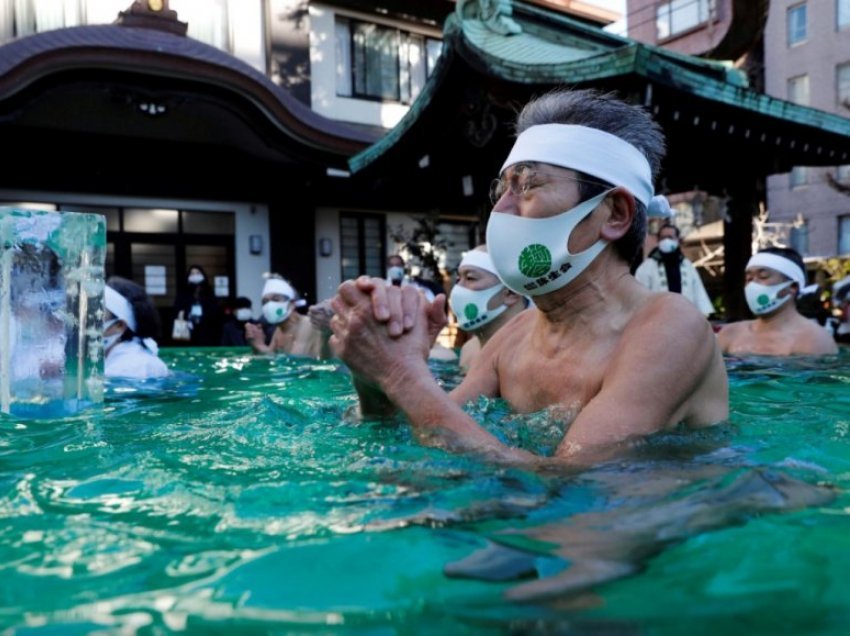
(244, 496)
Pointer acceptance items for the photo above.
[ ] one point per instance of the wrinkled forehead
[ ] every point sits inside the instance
(588, 150)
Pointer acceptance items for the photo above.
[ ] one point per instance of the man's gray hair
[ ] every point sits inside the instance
(606, 112)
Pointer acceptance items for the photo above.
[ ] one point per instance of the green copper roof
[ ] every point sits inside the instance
(535, 46)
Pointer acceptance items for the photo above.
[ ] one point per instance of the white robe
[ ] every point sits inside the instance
(130, 359)
(652, 274)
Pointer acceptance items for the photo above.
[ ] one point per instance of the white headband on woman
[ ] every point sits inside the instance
(781, 264)
(119, 307)
(479, 259)
(278, 286)
(588, 150)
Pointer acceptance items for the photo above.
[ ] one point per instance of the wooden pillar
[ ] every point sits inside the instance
(744, 197)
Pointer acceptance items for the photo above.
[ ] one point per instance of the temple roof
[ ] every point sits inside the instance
(704, 106)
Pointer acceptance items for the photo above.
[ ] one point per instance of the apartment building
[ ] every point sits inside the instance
(807, 61)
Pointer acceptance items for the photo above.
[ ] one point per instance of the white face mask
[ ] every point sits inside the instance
(276, 312)
(395, 273)
(195, 279)
(531, 255)
(109, 341)
(470, 306)
(242, 314)
(762, 299)
(668, 245)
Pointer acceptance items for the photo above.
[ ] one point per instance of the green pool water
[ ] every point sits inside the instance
(243, 496)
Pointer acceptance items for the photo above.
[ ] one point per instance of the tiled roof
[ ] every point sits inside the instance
(553, 49)
(148, 51)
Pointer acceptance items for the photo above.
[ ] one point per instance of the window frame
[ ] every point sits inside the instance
(842, 7)
(708, 7)
(843, 220)
(793, 10)
(405, 76)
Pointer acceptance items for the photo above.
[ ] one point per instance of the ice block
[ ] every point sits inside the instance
(51, 312)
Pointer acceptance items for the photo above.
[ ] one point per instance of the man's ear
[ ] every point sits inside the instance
(512, 298)
(622, 211)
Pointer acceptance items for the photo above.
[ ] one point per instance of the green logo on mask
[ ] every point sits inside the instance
(470, 311)
(535, 260)
(763, 299)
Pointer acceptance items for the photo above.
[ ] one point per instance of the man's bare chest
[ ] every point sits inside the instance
(533, 382)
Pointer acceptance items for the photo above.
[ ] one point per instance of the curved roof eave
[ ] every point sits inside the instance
(605, 56)
(145, 51)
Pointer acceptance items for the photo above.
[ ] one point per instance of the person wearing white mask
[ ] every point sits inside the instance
(293, 333)
(569, 217)
(774, 278)
(667, 269)
(131, 323)
(481, 303)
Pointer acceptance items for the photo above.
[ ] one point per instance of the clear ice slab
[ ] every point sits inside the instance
(51, 312)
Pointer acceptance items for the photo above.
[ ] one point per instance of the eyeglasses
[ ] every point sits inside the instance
(523, 179)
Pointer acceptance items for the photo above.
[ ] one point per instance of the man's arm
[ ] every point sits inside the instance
(652, 382)
(257, 338)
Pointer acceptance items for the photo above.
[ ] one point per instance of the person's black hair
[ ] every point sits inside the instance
(147, 317)
(667, 224)
(199, 268)
(242, 303)
(789, 253)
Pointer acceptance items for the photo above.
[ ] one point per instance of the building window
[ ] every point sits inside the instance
(842, 14)
(382, 63)
(678, 16)
(842, 84)
(797, 24)
(844, 234)
(362, 245)
(798, 89)
(799, 236)
(799, 177)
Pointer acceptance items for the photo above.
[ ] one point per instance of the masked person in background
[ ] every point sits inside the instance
(667, 269)
(775, 277)
(481, 302)
(568, 218)
(130, 325)
(293, 333)
(397, 276)
(233, 332)
(197, 304)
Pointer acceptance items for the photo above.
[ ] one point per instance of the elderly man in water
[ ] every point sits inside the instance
(613, 359)
(775, 277)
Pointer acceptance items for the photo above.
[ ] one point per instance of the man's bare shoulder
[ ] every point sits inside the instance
(667, 315)
(815, 340)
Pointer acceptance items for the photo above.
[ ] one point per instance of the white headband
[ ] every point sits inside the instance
(479, 259)
(278, 286)
(781, 264)
(589, 150)
(119, 307)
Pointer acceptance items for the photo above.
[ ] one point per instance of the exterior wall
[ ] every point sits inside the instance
(247, 31)
(817, 56)
(250, 219)
(324, 99)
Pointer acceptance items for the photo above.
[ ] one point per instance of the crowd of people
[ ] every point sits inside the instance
(554, 317)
